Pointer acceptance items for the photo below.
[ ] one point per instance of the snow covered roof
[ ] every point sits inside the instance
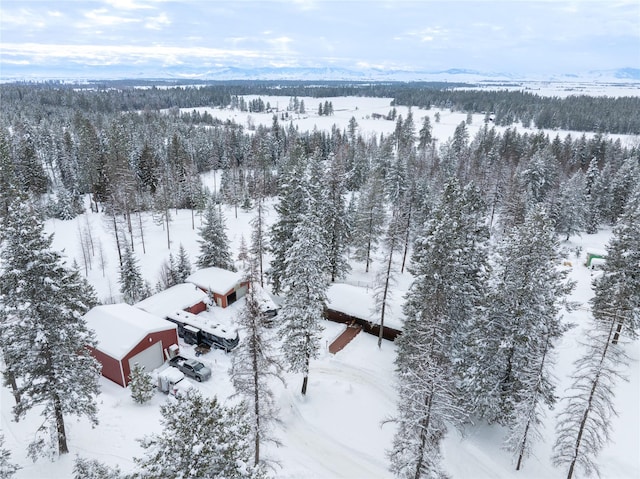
(180, 296)
(351, 300)
(205, 323)
(120, 327)
(360, 303)
(218, 280)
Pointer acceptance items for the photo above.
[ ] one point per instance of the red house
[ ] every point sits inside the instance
(181, 297)
(225, 286)
(127, 335)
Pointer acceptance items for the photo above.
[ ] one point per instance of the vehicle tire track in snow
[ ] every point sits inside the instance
(322, 452)
(331, 457)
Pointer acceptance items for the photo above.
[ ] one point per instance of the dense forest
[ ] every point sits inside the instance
(133, 149)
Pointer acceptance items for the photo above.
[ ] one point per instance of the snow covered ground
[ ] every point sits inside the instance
(337, 430)
(363, 109)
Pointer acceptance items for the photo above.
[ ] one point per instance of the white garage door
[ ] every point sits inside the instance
(150, 358)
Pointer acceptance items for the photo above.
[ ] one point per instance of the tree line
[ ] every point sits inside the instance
(613, 115)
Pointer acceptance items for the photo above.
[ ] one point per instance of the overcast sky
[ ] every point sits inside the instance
(492, 36)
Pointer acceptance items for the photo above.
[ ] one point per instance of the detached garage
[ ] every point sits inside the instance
(127, 335)
(225, 286)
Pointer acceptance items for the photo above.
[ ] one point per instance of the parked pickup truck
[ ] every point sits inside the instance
(191, 367)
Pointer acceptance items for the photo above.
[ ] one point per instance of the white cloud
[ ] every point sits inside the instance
(102, 17)
(158, 22)
(127, 4)
(114, 54)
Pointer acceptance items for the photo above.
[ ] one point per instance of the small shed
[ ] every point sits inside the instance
(181, 297)
(225, 286)
(126, 336)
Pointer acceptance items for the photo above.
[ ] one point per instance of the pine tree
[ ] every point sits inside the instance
(141, 384)
(132, 286)
(385, 278)
(292, 206)
(200, 438)
(617, 291)
(47, 352)
(183, 266)
(592, 211)
(94, 469)
(570, 208)
(254, 364)
(243, 254)
(259, 244)
(7, 468)
(441, 307)
(336, 221)
(303, 308)
(509, 357)
(584, 425)
(369, 220)
(214, 244)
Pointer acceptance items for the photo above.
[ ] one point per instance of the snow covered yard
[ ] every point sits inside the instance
(336, 430)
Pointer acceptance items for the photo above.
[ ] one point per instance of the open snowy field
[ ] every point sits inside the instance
(363, 109)
(563, 89)
(337, 430)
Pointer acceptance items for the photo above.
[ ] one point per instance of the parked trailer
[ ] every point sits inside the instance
(194, 330)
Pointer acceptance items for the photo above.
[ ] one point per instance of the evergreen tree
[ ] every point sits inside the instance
(441, 309)
(425, 137)
(254, 365)
(509, 356)
(622, 186)
(570, 208)
(8, 178)
(183, 266)
(214, 244)
(44, 345)
(132, 286)
(336, 221)
(617, 291)
(539, 176)
(200, 438)
(7, 468)
(141, 384)
(293, 205)
(259, 244)
(94, 469)
(369, 220)
(592, 211)
(303, 307)
(385, 278)
(584, 425)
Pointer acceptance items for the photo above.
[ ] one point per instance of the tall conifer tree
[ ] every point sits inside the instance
(44, 336)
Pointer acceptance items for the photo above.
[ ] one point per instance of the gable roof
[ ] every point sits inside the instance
(120, 327)
(180, 296)
(217, 280)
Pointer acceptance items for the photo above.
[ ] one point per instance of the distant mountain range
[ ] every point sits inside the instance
(74, 72)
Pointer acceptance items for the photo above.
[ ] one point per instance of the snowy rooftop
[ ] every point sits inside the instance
(205, 322)
(359, 302)
(218, 280)
(180, 296)
(119, 327)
